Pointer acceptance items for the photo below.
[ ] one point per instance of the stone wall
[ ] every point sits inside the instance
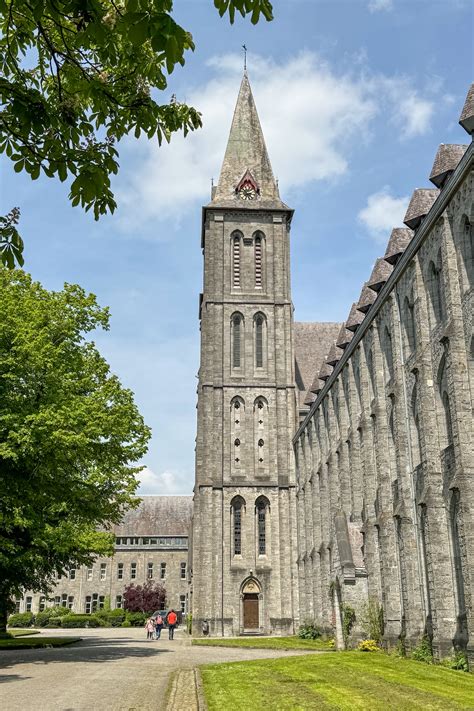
(387, 447)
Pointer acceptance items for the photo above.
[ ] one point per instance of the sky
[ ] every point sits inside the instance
(354, 97)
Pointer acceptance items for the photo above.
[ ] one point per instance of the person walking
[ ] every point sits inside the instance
(172, 619)
(150, 628)
(159, 626)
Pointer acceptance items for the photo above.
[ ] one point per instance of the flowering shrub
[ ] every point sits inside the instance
(368, 645)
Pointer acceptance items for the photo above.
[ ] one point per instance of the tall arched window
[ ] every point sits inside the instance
(388, 352)
(237, 508)
(258, 260)
(236, 247)
(466, 254)
(260, 416)
(237, 322)
(259, 323)
(457, 554)
(237, 433)
(435, 290)
(415, 428)
(446, 428)
(261, 509)
(409, 323)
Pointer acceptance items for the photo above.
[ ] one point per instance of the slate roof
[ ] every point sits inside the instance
(325, 370)
(312, 342)
(334, 355)
(157, 516)
(344, 338)
(380, 273)
(354, 319)
(246, 151)
(446, 160)
(366, 299)
(397, 244)
(420, 204)
(467, 114)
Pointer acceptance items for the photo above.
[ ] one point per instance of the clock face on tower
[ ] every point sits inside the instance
(247, 189)
(247, 192)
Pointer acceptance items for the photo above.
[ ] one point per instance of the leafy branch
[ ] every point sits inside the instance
(97, 68)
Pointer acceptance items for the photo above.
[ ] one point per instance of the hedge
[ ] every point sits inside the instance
(21, 619)
(81, 621)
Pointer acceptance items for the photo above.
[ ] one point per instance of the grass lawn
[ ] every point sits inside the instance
(16, 632)
(36, 642)
(343, 681)
(266, 643)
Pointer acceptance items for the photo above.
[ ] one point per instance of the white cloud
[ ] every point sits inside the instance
(312, 116)
(380, 5)
(410, 112)
(164, 483)
(383, 212)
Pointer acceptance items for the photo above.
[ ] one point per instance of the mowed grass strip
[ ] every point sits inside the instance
(266, 643)
(36, 642)
(17, 632)
(344, 681)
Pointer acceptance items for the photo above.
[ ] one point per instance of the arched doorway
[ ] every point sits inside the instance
(251, 605)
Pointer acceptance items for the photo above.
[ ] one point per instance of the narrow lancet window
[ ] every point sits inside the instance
(261, 507)
(236, 340)
(236, 261)
(258, 262)
(237, 506)
(259, 341)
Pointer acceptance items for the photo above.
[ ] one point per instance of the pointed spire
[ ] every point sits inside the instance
(246, 170)
(366, 299)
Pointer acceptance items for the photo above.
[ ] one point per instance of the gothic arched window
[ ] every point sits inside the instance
(237, 323)
(388, 352)
(259, 324)
(415, 428)
(237, 508)
(435, 290)
(236, 247)
(466, 254)
(261, 507)
(237, 433)
(258, 260)
(409, 323)
(444, 407)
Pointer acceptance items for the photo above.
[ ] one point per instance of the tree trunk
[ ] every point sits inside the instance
(4, 609)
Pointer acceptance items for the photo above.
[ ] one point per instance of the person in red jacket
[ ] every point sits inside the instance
(172, 619)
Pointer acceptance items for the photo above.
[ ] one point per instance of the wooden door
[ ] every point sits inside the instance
(251, 611)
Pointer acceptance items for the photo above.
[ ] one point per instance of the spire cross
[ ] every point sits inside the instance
(245, 57)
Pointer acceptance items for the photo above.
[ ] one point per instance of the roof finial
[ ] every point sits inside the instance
(245, 57)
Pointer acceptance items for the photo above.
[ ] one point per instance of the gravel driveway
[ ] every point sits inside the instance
(109, 670)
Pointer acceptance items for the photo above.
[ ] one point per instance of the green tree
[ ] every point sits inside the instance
(78, 75)
(69, 436)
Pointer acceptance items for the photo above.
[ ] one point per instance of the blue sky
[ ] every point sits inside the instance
(354, 97)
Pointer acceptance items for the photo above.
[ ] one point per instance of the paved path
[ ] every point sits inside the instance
(109, 670)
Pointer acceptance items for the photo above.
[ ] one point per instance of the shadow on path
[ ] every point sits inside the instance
(88, 651)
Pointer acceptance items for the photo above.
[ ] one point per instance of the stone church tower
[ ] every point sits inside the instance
(244, 528)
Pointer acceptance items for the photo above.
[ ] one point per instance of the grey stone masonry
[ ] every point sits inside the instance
(244, 525)
(385, 456)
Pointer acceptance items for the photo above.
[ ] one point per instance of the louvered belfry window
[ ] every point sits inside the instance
(259, 341)
(258, 262)
(236, 340)
(236, 262)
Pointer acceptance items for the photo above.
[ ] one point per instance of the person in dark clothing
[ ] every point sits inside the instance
(159, 625)
(172, 619)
